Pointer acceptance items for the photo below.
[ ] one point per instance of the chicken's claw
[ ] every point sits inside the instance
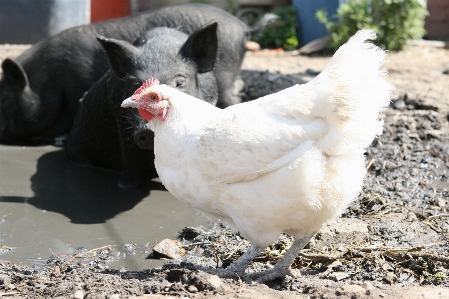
(237, 268)
(282, 268)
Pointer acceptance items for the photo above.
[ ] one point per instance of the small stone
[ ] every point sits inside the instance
(115, 296)
(214, 281)
(217, 285)
(192, 289)
(399, 104)
(170, 248)
(79, 294)
(434, 134)
(337, 276)
(390, 278)
(252, 46)
(274, 77)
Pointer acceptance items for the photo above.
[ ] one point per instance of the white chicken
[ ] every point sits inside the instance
(287, 162)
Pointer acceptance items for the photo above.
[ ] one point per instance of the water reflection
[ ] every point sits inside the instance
(83, 194)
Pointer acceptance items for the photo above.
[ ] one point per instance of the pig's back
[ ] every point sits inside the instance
(71, 61)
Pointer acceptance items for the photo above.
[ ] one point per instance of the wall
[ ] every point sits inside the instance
(29, 21)
(102, 10)
(437, 22)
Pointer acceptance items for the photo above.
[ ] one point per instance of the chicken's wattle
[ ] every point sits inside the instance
(145, 114)
(149, 116)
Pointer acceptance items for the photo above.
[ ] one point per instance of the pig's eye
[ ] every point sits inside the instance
(140, 41)
(180, 82)
(137, 84)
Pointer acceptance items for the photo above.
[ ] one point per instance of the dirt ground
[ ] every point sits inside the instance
(397, 233)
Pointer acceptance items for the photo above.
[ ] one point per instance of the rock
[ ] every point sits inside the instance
(192, 289)
(337, 276)
(390, 278)
(170, 248)
(115, 296)
(340, 231)
(274, 77)
(399, 104)
(214, 281)
(252, 46)
(434, 133)
(79, 294)
(216, 284)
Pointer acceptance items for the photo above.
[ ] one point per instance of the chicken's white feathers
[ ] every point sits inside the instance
(337, 110)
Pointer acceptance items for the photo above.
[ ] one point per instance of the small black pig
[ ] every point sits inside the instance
(104, 134)
(40, 90)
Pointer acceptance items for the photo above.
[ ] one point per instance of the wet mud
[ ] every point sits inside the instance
(50, 205)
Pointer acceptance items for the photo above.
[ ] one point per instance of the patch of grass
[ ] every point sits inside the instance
(282, 32)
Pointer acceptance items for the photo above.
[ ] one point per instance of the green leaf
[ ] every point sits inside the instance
(395, 21)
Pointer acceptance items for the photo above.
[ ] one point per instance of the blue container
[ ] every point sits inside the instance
(28, 21)
(309, 26)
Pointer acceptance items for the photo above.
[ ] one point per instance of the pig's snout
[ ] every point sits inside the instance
(144, 139)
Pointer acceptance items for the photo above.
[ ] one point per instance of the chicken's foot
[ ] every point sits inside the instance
(282, 268)
(237, 268)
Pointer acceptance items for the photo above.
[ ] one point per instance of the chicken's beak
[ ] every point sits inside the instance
(128, 103)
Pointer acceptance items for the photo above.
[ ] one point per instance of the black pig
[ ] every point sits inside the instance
(40, 90)
(104, 134)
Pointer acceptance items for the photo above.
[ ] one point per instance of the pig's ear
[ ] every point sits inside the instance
(202, 47)
(121, 55)
(14, 73)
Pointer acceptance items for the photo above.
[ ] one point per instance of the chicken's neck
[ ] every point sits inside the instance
(182, 125)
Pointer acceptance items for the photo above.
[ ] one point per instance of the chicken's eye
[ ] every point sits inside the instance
(153, 97)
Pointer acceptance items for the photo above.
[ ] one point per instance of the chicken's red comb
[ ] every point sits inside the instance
(150, 82)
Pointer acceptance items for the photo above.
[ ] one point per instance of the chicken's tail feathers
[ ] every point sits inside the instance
(351, 91)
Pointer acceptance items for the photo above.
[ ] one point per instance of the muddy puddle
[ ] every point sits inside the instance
(49, 205)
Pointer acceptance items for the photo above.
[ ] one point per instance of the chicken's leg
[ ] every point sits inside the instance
(237, 268)
(239, 265)
(282, 268)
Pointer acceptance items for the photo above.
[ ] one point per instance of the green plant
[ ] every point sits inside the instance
(282, 32)
(394, 21)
